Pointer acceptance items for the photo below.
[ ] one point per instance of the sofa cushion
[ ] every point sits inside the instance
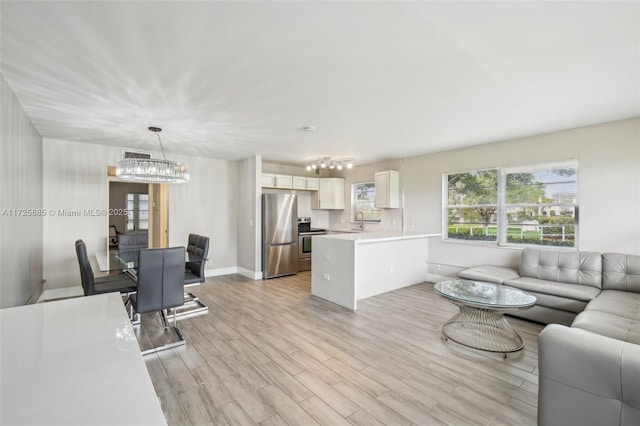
(559, 303)
(621, 272)
(571, 267)
(489, 273)
(621, 303)
(569, 291)
(610, 325)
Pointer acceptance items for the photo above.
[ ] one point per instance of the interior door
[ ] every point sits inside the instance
(158, 215)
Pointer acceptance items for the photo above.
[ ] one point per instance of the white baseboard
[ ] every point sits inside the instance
(220, 271)
(233, 270)
(37, 294)
(250, 274)
(61, 293)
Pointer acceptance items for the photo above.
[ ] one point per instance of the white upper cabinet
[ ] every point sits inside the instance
(299, 182)
(387, 189)
(307, 183)
(330, 194)
(270, 180)
(312, 184)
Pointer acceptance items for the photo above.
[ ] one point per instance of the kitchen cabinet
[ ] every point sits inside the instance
(301, 182)
(270, 180)
(312, 184)
(387, 189)
(330, 194)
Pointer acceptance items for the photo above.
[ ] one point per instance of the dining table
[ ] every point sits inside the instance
(126, 261)
(122, 260)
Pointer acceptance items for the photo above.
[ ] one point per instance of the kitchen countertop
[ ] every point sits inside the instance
(377, 236)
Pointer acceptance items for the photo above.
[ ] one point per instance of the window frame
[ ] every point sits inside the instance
(354, 202)
(502, 221)
(445, 205)
(136, 212)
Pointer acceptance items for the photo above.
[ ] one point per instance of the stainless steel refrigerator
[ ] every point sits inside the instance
(279, 235)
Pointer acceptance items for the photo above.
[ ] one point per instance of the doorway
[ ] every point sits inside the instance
(138, 208)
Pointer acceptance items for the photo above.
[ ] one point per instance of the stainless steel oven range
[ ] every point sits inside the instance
(305, 234)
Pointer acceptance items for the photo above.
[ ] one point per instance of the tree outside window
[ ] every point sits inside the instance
(527, 205)
(364, 197)
(473, 205)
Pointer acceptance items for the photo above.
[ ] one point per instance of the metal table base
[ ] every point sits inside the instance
(484, 329)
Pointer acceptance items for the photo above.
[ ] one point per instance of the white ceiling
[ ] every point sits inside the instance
(378, 80)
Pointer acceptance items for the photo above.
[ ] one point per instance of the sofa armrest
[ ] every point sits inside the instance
(587, 379)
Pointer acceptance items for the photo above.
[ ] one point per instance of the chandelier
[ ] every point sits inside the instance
(326, 163)
(152, 170)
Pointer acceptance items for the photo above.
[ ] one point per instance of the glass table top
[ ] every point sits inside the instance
(484, 294)
(118, 260)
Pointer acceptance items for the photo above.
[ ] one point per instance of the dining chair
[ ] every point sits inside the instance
(197, 248)
(133, 241)
(160, 279)
(191, 243)
(109, 284)
(113, 236)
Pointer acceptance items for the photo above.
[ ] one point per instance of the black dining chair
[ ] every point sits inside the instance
(109, 284)
(197, 248)
(160, 282)
(133, 241)
(191, 243)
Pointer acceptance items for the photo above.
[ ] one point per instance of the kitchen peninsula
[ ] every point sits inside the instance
(350, 267)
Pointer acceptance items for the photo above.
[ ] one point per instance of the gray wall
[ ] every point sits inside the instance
(249, 217)
(20, 188)
(207, 205)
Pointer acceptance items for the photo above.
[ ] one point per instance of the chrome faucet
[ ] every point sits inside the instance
(361, 219)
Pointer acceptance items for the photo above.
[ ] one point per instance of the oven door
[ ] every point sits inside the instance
(304, 246)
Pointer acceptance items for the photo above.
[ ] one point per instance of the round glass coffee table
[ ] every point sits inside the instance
(480, 324)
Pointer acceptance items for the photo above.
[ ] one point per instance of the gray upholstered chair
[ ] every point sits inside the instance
(197, 248)
(160, 281)
(109, 284)
(133, 241)
(191, 243)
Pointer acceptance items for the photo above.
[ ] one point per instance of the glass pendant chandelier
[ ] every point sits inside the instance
(152, 170)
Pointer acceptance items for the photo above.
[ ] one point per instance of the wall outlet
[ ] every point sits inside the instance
(326, 277)
(412, 223)
(393, 222)
(326, 256)
(436, 269)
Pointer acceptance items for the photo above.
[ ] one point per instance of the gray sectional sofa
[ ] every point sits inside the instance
(589, 372)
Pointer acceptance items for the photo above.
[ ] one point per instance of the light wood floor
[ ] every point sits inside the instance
(269, 353)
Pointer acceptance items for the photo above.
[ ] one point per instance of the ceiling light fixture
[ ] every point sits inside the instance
(152, 170)
(326, 163)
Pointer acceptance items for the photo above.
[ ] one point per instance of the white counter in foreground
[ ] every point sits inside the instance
(74, 362)
(350, 267)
